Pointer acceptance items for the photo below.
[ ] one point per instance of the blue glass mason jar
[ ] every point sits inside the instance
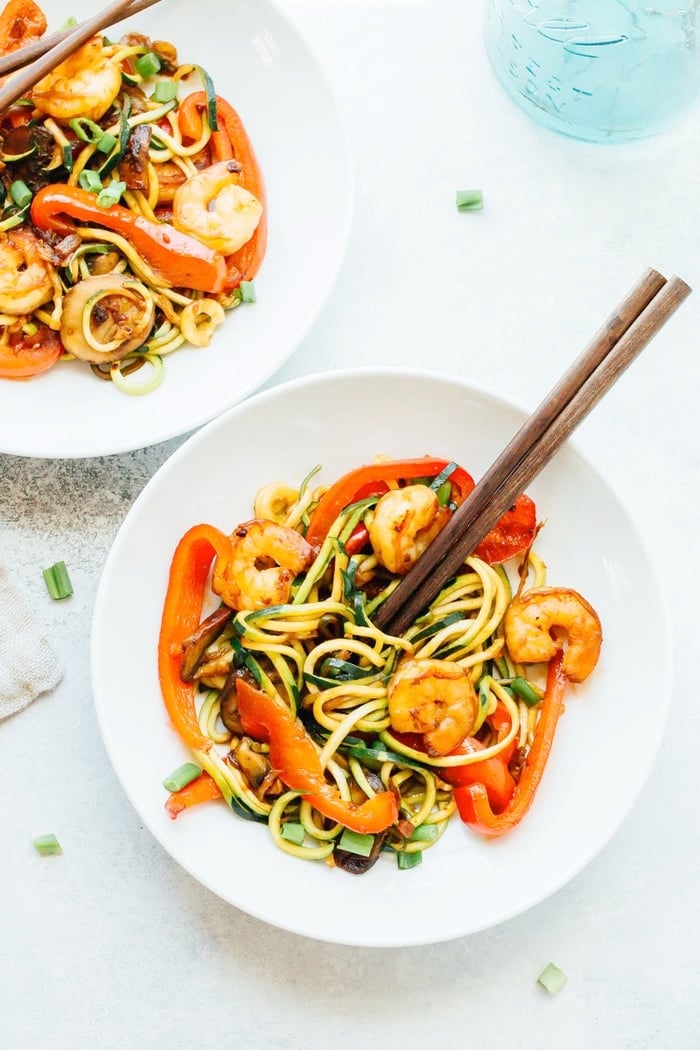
(600, 70)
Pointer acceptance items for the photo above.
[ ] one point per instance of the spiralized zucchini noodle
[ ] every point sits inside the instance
(346, 741)
(132, 211)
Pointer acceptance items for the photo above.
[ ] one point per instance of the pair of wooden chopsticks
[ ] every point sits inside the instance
(626, 332)
(39, 58)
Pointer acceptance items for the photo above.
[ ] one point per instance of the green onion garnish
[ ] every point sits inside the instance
(470, 200)
(522, 688)
(110, 194)
(30, 328)
(552, 978)
(182, 776)
(106, 143)
(20, 193)
(147, 65)
(247, 291)
(165, 91)
(47, 845)
(293, 833)
(86, 130)
(90, 180)
(352, 842)
(408, 860)
(424, 833)
(58, 581)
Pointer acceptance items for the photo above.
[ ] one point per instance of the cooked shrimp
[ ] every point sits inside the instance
(436, 698)
(85, 85)
(213, 207)
(25, 277)
(405, 521)
(266, 558)
(531, 619)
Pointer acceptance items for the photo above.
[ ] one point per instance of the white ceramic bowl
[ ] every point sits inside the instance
(602, 753)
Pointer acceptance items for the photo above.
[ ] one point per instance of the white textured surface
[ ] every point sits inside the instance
(112, 944)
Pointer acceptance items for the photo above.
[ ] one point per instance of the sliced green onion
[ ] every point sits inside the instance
(110, 194)
(425, 833)
(20, 193)
(247, 291)
(352, 842)
(522, 688)
(106, 143)
(47, 845)
(552, 978)
(293, 833)
(30, 328)
(443, 493)
(86, 130)
(90, 180)
(58, 581)
(470, 200)
(68, 158)
(408, 860)
(182, 776)
(147, 65)
(165, 91)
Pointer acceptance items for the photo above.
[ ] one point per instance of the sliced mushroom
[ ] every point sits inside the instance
(106, 317)
(196, 644)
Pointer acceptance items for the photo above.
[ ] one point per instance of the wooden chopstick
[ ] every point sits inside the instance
(20, 84)
(611, 351)
(24, 55)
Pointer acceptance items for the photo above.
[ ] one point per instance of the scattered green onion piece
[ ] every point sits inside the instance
(90, 180)
(68, 158)
(444, 475)
(106, 143)
(30, 328)
(425, 833)
(165, 91)
(110, 194)
(470, 200)
(409, 860)
(72, 21)
(20, 193)
(182, 776)
(47, 845)
(552, 978)
(352, 842)
(57, 581)
(522, 688)
(86, 130)
(293, 833)
(147, 65)
(247, 291)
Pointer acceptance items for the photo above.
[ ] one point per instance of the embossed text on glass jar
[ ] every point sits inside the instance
(602, 70)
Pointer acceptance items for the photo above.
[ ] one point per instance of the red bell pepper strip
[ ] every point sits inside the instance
(181, 260)
(512, 535)
(181, 615)
(475, 808)
(231, 140)
(203, 789)
(26, 355)
(295, 760)
(371, 480)
(493, 772)
(358, 538)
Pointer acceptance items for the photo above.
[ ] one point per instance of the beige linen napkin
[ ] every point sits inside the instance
(28, 664)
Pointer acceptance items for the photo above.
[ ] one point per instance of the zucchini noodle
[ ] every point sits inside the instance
(126, 161)
(413, 718)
